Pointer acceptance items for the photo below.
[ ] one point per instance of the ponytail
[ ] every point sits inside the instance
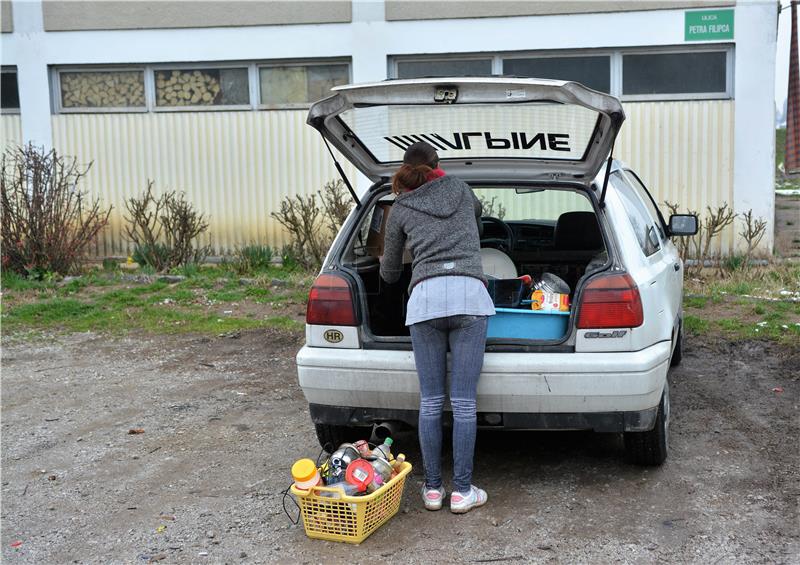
(410, 177)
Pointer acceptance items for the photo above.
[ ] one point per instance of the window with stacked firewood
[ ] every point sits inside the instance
(262, 85)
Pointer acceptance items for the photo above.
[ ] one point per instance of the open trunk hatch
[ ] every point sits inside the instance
(500, 128)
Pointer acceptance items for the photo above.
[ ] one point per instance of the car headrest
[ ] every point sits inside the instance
(577, 231)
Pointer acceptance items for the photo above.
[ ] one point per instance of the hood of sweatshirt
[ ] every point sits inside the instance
(439, 198)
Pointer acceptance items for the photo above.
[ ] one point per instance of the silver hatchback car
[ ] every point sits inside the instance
(538, 155)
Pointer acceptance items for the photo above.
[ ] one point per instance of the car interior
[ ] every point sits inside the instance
(524, 232)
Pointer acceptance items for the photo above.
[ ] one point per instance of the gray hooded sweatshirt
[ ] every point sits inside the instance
(438, 222)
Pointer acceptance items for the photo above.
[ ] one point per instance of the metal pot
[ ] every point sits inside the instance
(551, 283)
(343, 456)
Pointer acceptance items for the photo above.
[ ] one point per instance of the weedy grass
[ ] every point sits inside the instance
(694, 324)
(698, 302)
(107, 302)
(767, 280)
(10, 281)
(746, 302)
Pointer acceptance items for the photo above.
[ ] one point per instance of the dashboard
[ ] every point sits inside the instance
(528, 234)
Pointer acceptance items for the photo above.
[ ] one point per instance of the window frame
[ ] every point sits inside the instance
(706, 48)
(56, 89)
(567, 53)
(149, 73)
(615, 68)
(153, 69)
(393, 60)
(11, 69)
(294, 63)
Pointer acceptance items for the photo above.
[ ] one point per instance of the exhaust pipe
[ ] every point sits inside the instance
(384, 430)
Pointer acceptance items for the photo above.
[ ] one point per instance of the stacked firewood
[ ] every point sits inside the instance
(112, 89)
(186, 88)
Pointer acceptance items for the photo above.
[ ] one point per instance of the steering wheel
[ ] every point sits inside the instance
(506, 243)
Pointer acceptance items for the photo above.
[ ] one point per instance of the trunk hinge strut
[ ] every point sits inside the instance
(602, 202)
(341, 173)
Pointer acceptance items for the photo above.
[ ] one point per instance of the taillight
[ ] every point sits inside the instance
(330, 302)
(610, 301)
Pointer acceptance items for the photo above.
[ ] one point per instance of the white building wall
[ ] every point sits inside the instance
(24, 49)
(756, 28)
(369, 40)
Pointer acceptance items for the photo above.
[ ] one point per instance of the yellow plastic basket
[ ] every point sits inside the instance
(351, 519)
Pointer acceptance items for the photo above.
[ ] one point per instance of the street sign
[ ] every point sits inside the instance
(708, 25)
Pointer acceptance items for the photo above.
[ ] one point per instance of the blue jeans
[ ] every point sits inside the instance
(467, 338)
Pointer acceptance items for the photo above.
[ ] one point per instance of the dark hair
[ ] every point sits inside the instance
(419, 159)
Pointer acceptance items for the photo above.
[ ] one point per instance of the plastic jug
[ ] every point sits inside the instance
(305, 474)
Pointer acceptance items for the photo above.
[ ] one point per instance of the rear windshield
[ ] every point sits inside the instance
(537, 130)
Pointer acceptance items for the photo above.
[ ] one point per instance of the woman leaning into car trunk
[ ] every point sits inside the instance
(438, 217)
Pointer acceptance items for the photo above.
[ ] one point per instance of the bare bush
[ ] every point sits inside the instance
(301, 218)
(493, 208)
(164, 229)
(47, 222)
(336, 204)
(753, 230)
(313, 221)
(710, 226)
(714, 222)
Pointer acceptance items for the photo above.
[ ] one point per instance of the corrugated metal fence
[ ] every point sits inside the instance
(10, 130)
(238, 166)
(234, 166)
(683, 152)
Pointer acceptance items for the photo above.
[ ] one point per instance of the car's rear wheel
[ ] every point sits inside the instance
(330, 437)
(651, 448)
(677, 353)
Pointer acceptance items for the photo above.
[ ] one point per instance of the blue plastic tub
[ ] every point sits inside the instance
(519, 323)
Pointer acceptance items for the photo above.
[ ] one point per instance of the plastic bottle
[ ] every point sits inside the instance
(382, 467)
(342, 486)
(377, 482)
(397, 464)
(384, 450)
(305, 474)
(348, 489)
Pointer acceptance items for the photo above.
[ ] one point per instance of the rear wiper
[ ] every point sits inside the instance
(341, 173)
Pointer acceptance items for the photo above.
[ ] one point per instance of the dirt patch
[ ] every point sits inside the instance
(223, 419)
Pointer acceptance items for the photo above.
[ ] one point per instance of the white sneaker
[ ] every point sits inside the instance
(432, 497)
(460, 503)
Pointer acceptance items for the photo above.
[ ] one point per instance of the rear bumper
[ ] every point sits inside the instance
(601, 391)
(637, 421)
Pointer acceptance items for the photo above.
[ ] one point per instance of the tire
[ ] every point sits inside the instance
(677, 353)
(650, 448)
(330, 437)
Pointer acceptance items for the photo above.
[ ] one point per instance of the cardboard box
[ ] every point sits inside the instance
(377, 232)
(377, 229)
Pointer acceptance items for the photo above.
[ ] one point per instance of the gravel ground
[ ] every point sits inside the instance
(223, 420)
